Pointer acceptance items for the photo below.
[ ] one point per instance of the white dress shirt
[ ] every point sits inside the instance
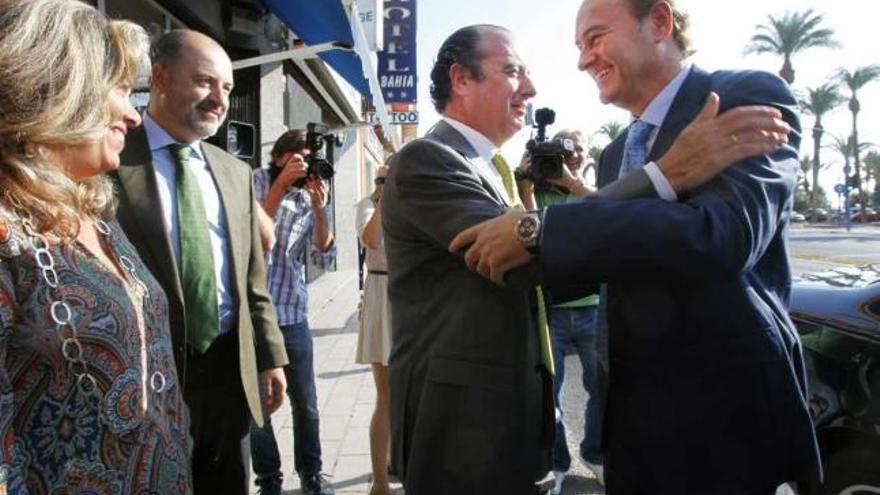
(166, 178)
(655, 114)
(485, 151)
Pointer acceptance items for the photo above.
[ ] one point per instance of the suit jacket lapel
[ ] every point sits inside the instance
(137, 178)
(447, 134)
(230, 190)
(685, 107)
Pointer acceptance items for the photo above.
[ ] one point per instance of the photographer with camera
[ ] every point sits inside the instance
(294, 195)
(572, 323)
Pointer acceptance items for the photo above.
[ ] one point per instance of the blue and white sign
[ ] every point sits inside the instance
(397, 62)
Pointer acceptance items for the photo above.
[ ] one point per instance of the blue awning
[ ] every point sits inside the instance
(321, 21)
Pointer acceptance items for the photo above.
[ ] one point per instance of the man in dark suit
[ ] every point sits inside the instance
(707, 391)
(188, 207)
(470, 390)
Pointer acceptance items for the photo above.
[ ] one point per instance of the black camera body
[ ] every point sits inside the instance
(318, 165)
(547, 156)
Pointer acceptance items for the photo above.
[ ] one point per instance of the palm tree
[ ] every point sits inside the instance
(818, 102)
(854, 81)
(611, 129)
(790, 34)
(803, 177)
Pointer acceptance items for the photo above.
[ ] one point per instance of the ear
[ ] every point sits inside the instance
(662, 20)
(159, 78)
(460, 79)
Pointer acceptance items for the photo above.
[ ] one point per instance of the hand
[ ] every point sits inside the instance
(272, 386)
(494, 248)
(294, 169)
(713, 142)
(317, 190)
(382, 171)
(571, 182)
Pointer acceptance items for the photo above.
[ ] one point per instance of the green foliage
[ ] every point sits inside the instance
(791, 33)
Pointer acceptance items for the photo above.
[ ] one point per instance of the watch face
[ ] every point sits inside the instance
(527, 230)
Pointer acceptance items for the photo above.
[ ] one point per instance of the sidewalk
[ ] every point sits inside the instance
(346, 394)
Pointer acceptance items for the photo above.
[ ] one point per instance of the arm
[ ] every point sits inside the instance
(267, 228)
(293, 170)
(431, 188)
(370, 227)
(321, 236)
(369, 221)
(7, 411)
(722, 230)
(704, 146)
(268, 341)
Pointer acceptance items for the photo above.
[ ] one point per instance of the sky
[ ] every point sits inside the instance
(544, 33)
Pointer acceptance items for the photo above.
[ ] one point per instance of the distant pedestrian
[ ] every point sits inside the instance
(297, 204)
(374, 329)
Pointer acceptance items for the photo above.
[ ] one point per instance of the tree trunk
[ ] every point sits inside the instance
(787, 71)
(817, 145)
(854, 106)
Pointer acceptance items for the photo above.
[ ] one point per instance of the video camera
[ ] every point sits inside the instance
(547, 156)
(318, 165)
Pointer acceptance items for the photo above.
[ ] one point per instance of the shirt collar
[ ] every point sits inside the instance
(656, 111)
(159, 138)
(485, 148)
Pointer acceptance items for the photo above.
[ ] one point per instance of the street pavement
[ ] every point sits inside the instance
(346, 395)
(345, 390)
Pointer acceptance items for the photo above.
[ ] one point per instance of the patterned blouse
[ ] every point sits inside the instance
(122, 427)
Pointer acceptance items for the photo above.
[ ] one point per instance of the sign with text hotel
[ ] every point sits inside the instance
(397, 61)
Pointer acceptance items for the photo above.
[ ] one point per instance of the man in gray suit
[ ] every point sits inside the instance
(188, 207)
(470, 379)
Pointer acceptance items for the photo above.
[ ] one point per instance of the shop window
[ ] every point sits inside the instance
(144, 13)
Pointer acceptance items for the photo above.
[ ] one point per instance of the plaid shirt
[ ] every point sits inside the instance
(294, 225)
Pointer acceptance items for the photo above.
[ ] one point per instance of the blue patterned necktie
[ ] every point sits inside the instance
(634, 149)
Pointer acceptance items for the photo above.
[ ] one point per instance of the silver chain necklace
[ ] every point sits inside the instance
(62, 314)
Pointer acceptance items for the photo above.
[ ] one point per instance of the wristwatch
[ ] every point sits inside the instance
(528, 231)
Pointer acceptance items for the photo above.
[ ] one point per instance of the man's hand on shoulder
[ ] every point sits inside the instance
(494, 248)
(713, 142)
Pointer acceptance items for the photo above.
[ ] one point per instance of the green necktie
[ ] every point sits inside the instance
(543, 327)
(196, 257)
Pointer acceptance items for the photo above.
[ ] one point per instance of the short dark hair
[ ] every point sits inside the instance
(168, 47)
(680, 21)
(292, 140)
(463, 48)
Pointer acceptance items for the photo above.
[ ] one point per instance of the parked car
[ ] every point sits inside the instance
(864, 215)
(816, 214)
(837, 314)
(797, 217)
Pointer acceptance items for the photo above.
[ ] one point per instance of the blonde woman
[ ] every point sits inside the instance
(89, 397)
(374, 332)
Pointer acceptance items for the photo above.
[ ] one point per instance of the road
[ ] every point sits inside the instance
(812, 249)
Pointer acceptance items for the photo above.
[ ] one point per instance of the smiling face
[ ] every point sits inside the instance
(576, 159)
(192, 91)
(496, 104)
(86, 160)
(624, 55)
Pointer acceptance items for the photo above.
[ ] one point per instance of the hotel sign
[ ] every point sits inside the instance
(397, 62)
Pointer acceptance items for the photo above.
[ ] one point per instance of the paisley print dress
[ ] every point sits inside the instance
(115, 421)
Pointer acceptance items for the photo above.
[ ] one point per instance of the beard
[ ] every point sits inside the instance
(204, 126)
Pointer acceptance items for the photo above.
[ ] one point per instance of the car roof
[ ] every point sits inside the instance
(846, 298)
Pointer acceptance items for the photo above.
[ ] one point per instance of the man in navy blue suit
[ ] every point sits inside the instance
(707, 393)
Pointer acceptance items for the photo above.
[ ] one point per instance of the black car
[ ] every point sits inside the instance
(837, 314)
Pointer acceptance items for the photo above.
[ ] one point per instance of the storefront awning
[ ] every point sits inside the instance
(331, 30)
(322, 21)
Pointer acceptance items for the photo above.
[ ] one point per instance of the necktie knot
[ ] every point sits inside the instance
(635, 146)
(181, 153)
